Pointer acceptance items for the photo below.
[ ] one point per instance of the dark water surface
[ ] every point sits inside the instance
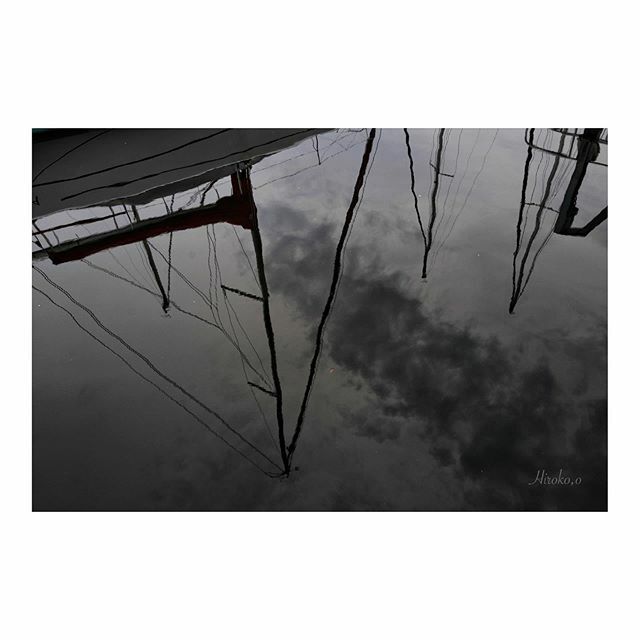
(449, 392)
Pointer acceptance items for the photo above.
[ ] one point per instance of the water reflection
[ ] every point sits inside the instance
(238, 209)
(588, 144)
(485, 413)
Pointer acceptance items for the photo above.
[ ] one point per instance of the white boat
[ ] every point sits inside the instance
(88, 167)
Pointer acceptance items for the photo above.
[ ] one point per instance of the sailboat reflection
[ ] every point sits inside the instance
(527, 251)
(128, 218)
(238, 210)
(442, 218)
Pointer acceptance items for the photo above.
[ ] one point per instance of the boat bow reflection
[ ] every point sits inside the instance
(240, 211)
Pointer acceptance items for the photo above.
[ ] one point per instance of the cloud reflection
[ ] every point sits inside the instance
(494, 417)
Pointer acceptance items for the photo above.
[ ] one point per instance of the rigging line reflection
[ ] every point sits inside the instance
(113, 215)
(214, 307)
(187, 281)
(446, 198)
(523, 197)
(434, 197)
(299, 155)
(169, 210)
(40, 233)
(197, 317)
(229, 306)
(543, 157)
(244, 294)
(466, 169)
(253, 273)
(152, 264)
(520, 287)
(146, 271)
(482, 165)
(588, 150)
(212, 286)
(151, 382)
(473, 184)
(444, 215)
(549, 233)
(142, 277)
(215, 312)
(456, 217)
(115, 259)
(184, 278)
(149, 291)
(205, 191)
(541, 209)
(314, 142)
(242, 181)
(415, 203)
(212, 242)
(259, 169)
(337, 267)
(230, 208)
(312, 166)
(169, 270)
(457, 192)
(148, 362)
(267, 391)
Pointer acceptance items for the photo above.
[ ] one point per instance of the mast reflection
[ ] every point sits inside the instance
(527, 251)
(238, 210)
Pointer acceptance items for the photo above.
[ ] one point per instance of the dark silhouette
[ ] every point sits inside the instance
(434, 197)
(337, 268)
(415, 204)
(588, 151)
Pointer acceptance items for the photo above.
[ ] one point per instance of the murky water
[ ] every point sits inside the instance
(154, 357)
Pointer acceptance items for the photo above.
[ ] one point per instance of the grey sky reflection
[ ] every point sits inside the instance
(494, 418)
(428, 395)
